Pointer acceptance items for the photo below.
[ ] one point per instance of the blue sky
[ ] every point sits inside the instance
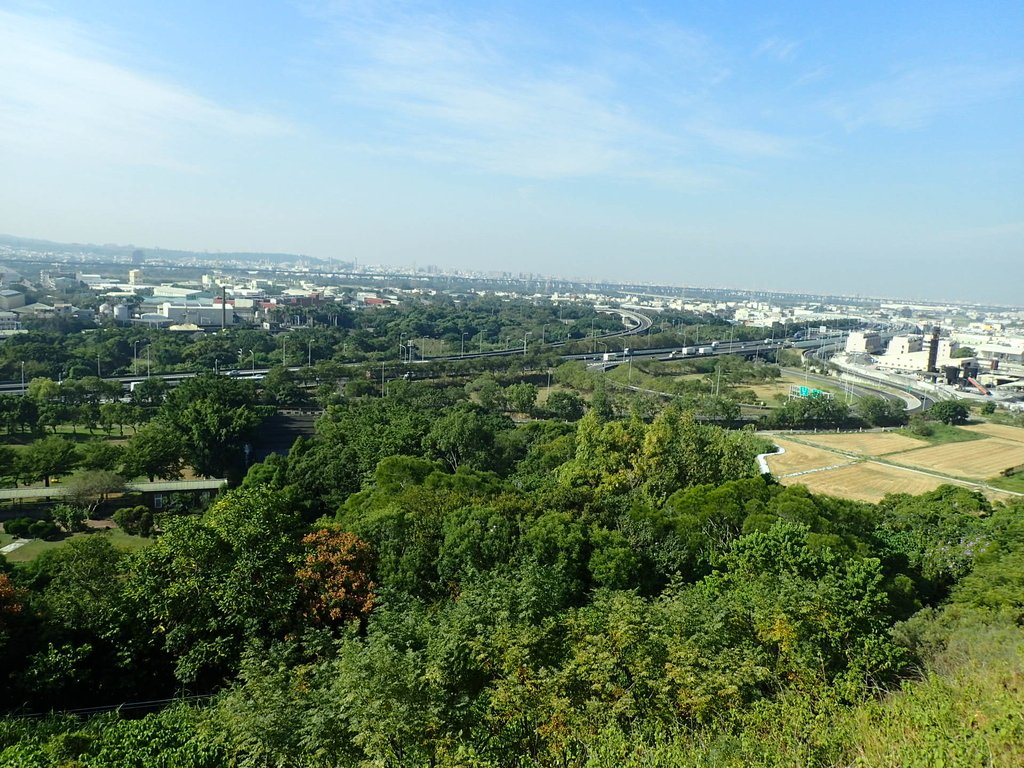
(854, 148)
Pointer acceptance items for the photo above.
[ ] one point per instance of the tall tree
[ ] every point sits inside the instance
(155, 450)
(47, 458)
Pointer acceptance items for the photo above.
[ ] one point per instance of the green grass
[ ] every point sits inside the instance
(81, 435)
(36, 547)
(944, 433)
(32, 550)
(1011, 483)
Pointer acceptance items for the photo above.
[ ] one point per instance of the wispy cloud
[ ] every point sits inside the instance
(744, 141)
(814, 75)
(914, 98)
(777, 48)
(491, 94)
(64, 93)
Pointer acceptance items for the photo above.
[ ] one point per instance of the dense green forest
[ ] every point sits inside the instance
(425, 582)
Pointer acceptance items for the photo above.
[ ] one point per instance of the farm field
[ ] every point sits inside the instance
(867, 443)
(977, 459)
(840, 465)
(1004, 431)
(866, 481)
(799, 457)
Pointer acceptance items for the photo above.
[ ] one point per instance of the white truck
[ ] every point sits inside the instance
(705, 351)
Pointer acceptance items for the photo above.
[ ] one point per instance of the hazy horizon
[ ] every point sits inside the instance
(852, 150)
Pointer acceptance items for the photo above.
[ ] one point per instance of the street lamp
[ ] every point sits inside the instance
(135, 356)
(22, 377)
(284, 351)
(253, 353)
(401, 336)
(462, 348)
(309, 354)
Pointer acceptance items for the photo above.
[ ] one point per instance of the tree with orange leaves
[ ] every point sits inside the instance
(11, 604)
(334, 581)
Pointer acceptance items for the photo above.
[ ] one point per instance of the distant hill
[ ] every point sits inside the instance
(125, 251)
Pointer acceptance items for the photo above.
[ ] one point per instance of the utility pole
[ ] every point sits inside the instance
(22, 377)
(309, 354)
(382, 378)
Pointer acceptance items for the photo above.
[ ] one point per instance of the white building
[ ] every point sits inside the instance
(864, 342)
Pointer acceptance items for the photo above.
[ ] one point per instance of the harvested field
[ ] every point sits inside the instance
(976, 459)
(798, 458)
(866, 481)
(1004, 431)
(870, 481)
(867, 443)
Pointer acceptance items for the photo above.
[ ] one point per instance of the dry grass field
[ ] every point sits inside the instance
(1004, 431)
(975, 459)
(866, 481)
(830, 463)
(798, 458)
(866, 443)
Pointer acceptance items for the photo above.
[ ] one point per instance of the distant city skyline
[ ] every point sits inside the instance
(861, 149)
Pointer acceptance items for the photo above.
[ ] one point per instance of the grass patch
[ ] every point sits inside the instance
(36, 547)
(943, 433)
(33, 549)
(124, 540)
(79, 435)
(1011, 483)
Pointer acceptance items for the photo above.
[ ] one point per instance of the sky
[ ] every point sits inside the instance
(869, 148)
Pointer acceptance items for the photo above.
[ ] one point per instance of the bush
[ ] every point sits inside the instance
(69, 517)
(18, 526)
(988, 408)
(43, 529)
(137, 521)
(920, 426)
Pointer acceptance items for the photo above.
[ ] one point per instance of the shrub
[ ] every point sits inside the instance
(135, 520)
(43, 529)
(18, 526)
